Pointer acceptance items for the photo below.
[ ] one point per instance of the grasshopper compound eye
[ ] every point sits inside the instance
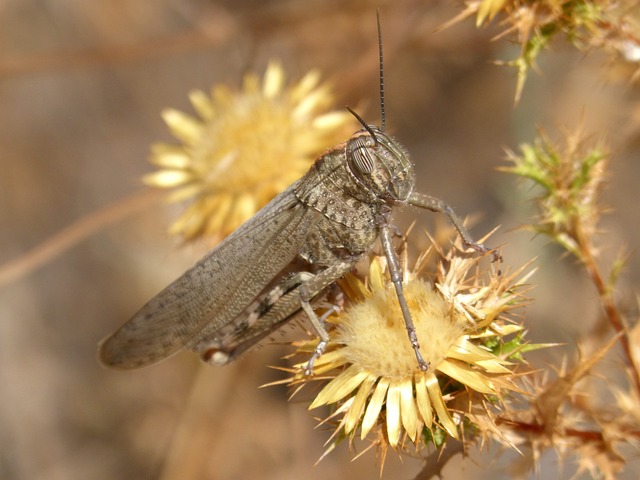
(381, 165)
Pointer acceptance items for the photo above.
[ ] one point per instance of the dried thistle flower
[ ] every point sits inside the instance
(606, 24)
(462, 321)
(570, 179)
(568, 414)
(244, 148)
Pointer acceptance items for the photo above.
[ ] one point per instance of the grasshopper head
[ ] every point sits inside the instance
(381, 165)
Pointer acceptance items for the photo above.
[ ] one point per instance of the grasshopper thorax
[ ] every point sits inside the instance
(380, 165)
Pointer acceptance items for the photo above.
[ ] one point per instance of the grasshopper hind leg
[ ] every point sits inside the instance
(277, 307)
(261, 318)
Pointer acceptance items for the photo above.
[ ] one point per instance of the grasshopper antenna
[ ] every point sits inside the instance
(382, 121)
(364, 124)
(382, 114)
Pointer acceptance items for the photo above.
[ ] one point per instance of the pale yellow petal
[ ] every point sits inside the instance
(341, 386)
(472, 298)
(181, 223)
(355, 412)
(393, 413)
(310, 103)
(219, 208)
(167, 178)
(251, 84)
(422, 400)
(202, 103)
(473, 354)
(496, 366)
(354, 288)
(244, 208)
(332, 120)
(169, 156)
(376, 275)
(339, 412)
(304, 86)
(444, 417)
(408, 408)
(508, 329)
(374, 407)
(184, 193)
(497, 329)
(183, 126)
(223, 97)
(273, 80)
(468, 352)
(467, 376)
(327, 361)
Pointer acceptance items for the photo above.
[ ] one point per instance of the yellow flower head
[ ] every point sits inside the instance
(244, 148)
(375, 383)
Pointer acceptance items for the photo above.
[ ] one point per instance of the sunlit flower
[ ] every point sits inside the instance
(244, 148)
(462, 320)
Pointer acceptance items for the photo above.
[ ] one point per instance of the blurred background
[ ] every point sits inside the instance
(82, 85)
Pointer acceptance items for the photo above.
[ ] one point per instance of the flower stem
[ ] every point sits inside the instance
(607, 301)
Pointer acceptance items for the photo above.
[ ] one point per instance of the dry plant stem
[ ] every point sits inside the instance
(73, 234)
(607, 302)
(157, 47)
(186, 454)
(574, 433)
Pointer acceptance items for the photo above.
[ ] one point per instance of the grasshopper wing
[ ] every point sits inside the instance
(216, 289)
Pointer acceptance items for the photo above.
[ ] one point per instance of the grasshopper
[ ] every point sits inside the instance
(285, 257)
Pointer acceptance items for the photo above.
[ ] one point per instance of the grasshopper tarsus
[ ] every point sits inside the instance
(424, 366)
(317, 352)
(413, 338)
(322, 344)
(482, 249)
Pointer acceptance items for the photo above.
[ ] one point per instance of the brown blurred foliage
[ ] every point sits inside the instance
(81, 88)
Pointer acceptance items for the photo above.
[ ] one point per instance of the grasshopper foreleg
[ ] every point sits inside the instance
(395, 271)
(434, 204)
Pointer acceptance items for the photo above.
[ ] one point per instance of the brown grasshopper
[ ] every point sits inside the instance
(282, 259)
